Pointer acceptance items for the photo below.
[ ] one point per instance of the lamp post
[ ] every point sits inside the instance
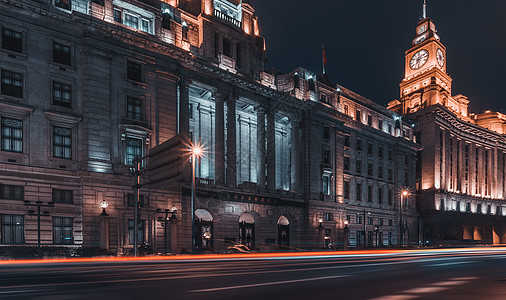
(38, 204)
(170, 215)
(196, 151)
(137, 173)
(364, 212)
(404, 194)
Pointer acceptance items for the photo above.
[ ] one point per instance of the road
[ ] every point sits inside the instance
(476, 273)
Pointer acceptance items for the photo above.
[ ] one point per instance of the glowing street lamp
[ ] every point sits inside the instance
(196, 151)
(404, 195)
(103, 206)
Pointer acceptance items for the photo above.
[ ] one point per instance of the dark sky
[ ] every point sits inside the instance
(365, 41)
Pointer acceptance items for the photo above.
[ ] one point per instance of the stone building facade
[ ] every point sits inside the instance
(461, 170)
(289, 160)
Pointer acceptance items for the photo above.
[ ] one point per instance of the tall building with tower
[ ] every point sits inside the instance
(461, 171)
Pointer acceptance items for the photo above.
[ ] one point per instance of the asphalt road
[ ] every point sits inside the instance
(478, 273)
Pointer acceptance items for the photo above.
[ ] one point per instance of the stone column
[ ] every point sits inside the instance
(219, 134)
(231, 142)
(271, 151)
(261, 148)
(295, 172)
(184, 106)
(104, 232)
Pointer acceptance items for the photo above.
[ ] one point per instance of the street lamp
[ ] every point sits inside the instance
(104, 205)
(170, 215)
(364, 212)
(31, 212)
(196, 151)
(404, 194)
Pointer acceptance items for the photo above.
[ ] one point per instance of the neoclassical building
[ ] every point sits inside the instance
(461, 171)
(289, 160)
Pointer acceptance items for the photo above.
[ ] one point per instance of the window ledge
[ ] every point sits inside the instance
(17, 55)
(136, 83)
(62, 67)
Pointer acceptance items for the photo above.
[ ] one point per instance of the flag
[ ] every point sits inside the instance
(324, 59)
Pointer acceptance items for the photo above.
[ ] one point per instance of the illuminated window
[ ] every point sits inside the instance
(63, 196)
(12, 135)
(133, 149)
(326, 178)
(64, 4)
(62, 94)
(63, 230)
(62, 142)
(13, 229)
(12, 84)
(12, 40)
(134, 108)
(131, 21)
(61, 54)
(12, 192)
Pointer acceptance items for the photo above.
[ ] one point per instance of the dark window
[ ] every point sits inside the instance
(134, 108)
(65, 4)
(118, 16)
(389, 128)
(12, 84)
(380, 222)
(12, 192)
(369, 194)
(191, 111)
(390, 198)
(380, 151)
(12, 135)
(358, 116)
(326, 132)
(226, 47)
(390, 155)
(370, 169)
(63, 231)
(63, 196)
(12, 40)
(390, 222)
(238, 55)
(359, 192)
(498, 210)
(479, 209)
(131, 200)
(359, 219)
(489, 209)
(133, 149)
(62, 142)
(13, 229)
(359, 145)
(346, 163)
(61, 54)
(140, 232)
(216, 45)
(134, 71)
(184, 31)
(326, 156)
(328, 216)
(442, 204)
(369, 120)
(347, 142)
(380, 124)
(468, 207)
(359, 166)
(346, 190)
(166, 18)
(380, 197)
(390, 175)
(370, 221)
(380, 172)
(370, 149)
(458, 206)
(62, 94)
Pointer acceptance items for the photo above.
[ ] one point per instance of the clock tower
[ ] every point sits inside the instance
(425, 81)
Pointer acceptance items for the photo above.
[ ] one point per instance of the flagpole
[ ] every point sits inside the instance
(323, 59)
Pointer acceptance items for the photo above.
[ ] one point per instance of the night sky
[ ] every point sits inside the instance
(365, 41)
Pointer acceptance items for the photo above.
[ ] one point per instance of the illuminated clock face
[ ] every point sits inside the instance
(419, 59)
(440, 57)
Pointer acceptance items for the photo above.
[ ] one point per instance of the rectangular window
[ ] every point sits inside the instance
(326, 184)
(370, 221)
(238, 55)
(226, 47)
(131, 21)
(347, 142)
(380, 222)
(65, 4)
(390, 222)
(346, 163)
(359, 192)
(63, 231)
(140, 232)
(12, 40)
(12, 192)
(62, 142)
(12, 84)
(326, 132)
(390, 175)
(133, 149)
(358, 116)
(328, 216)
(166, 18)
(369, 194)
(145, 25)
(390, 197)
(134, 108)
(62, 94)
(326, 157)
(118, 16)
(370, 148)
(359, 219)
(370, 169)
(380, 172)
(13, 229)
(380, 125)
(359, 166)
(359, 145)
(381, 149)
(12, 135)
(369, 120)
(380, 196)
(134, 71)
(61, 54)
(131, 200)
(63, 196)
(346, 190)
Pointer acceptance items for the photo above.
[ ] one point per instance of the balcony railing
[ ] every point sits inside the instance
(227, 18)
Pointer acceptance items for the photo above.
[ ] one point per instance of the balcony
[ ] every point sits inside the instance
(227, 63)
(227, 18)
